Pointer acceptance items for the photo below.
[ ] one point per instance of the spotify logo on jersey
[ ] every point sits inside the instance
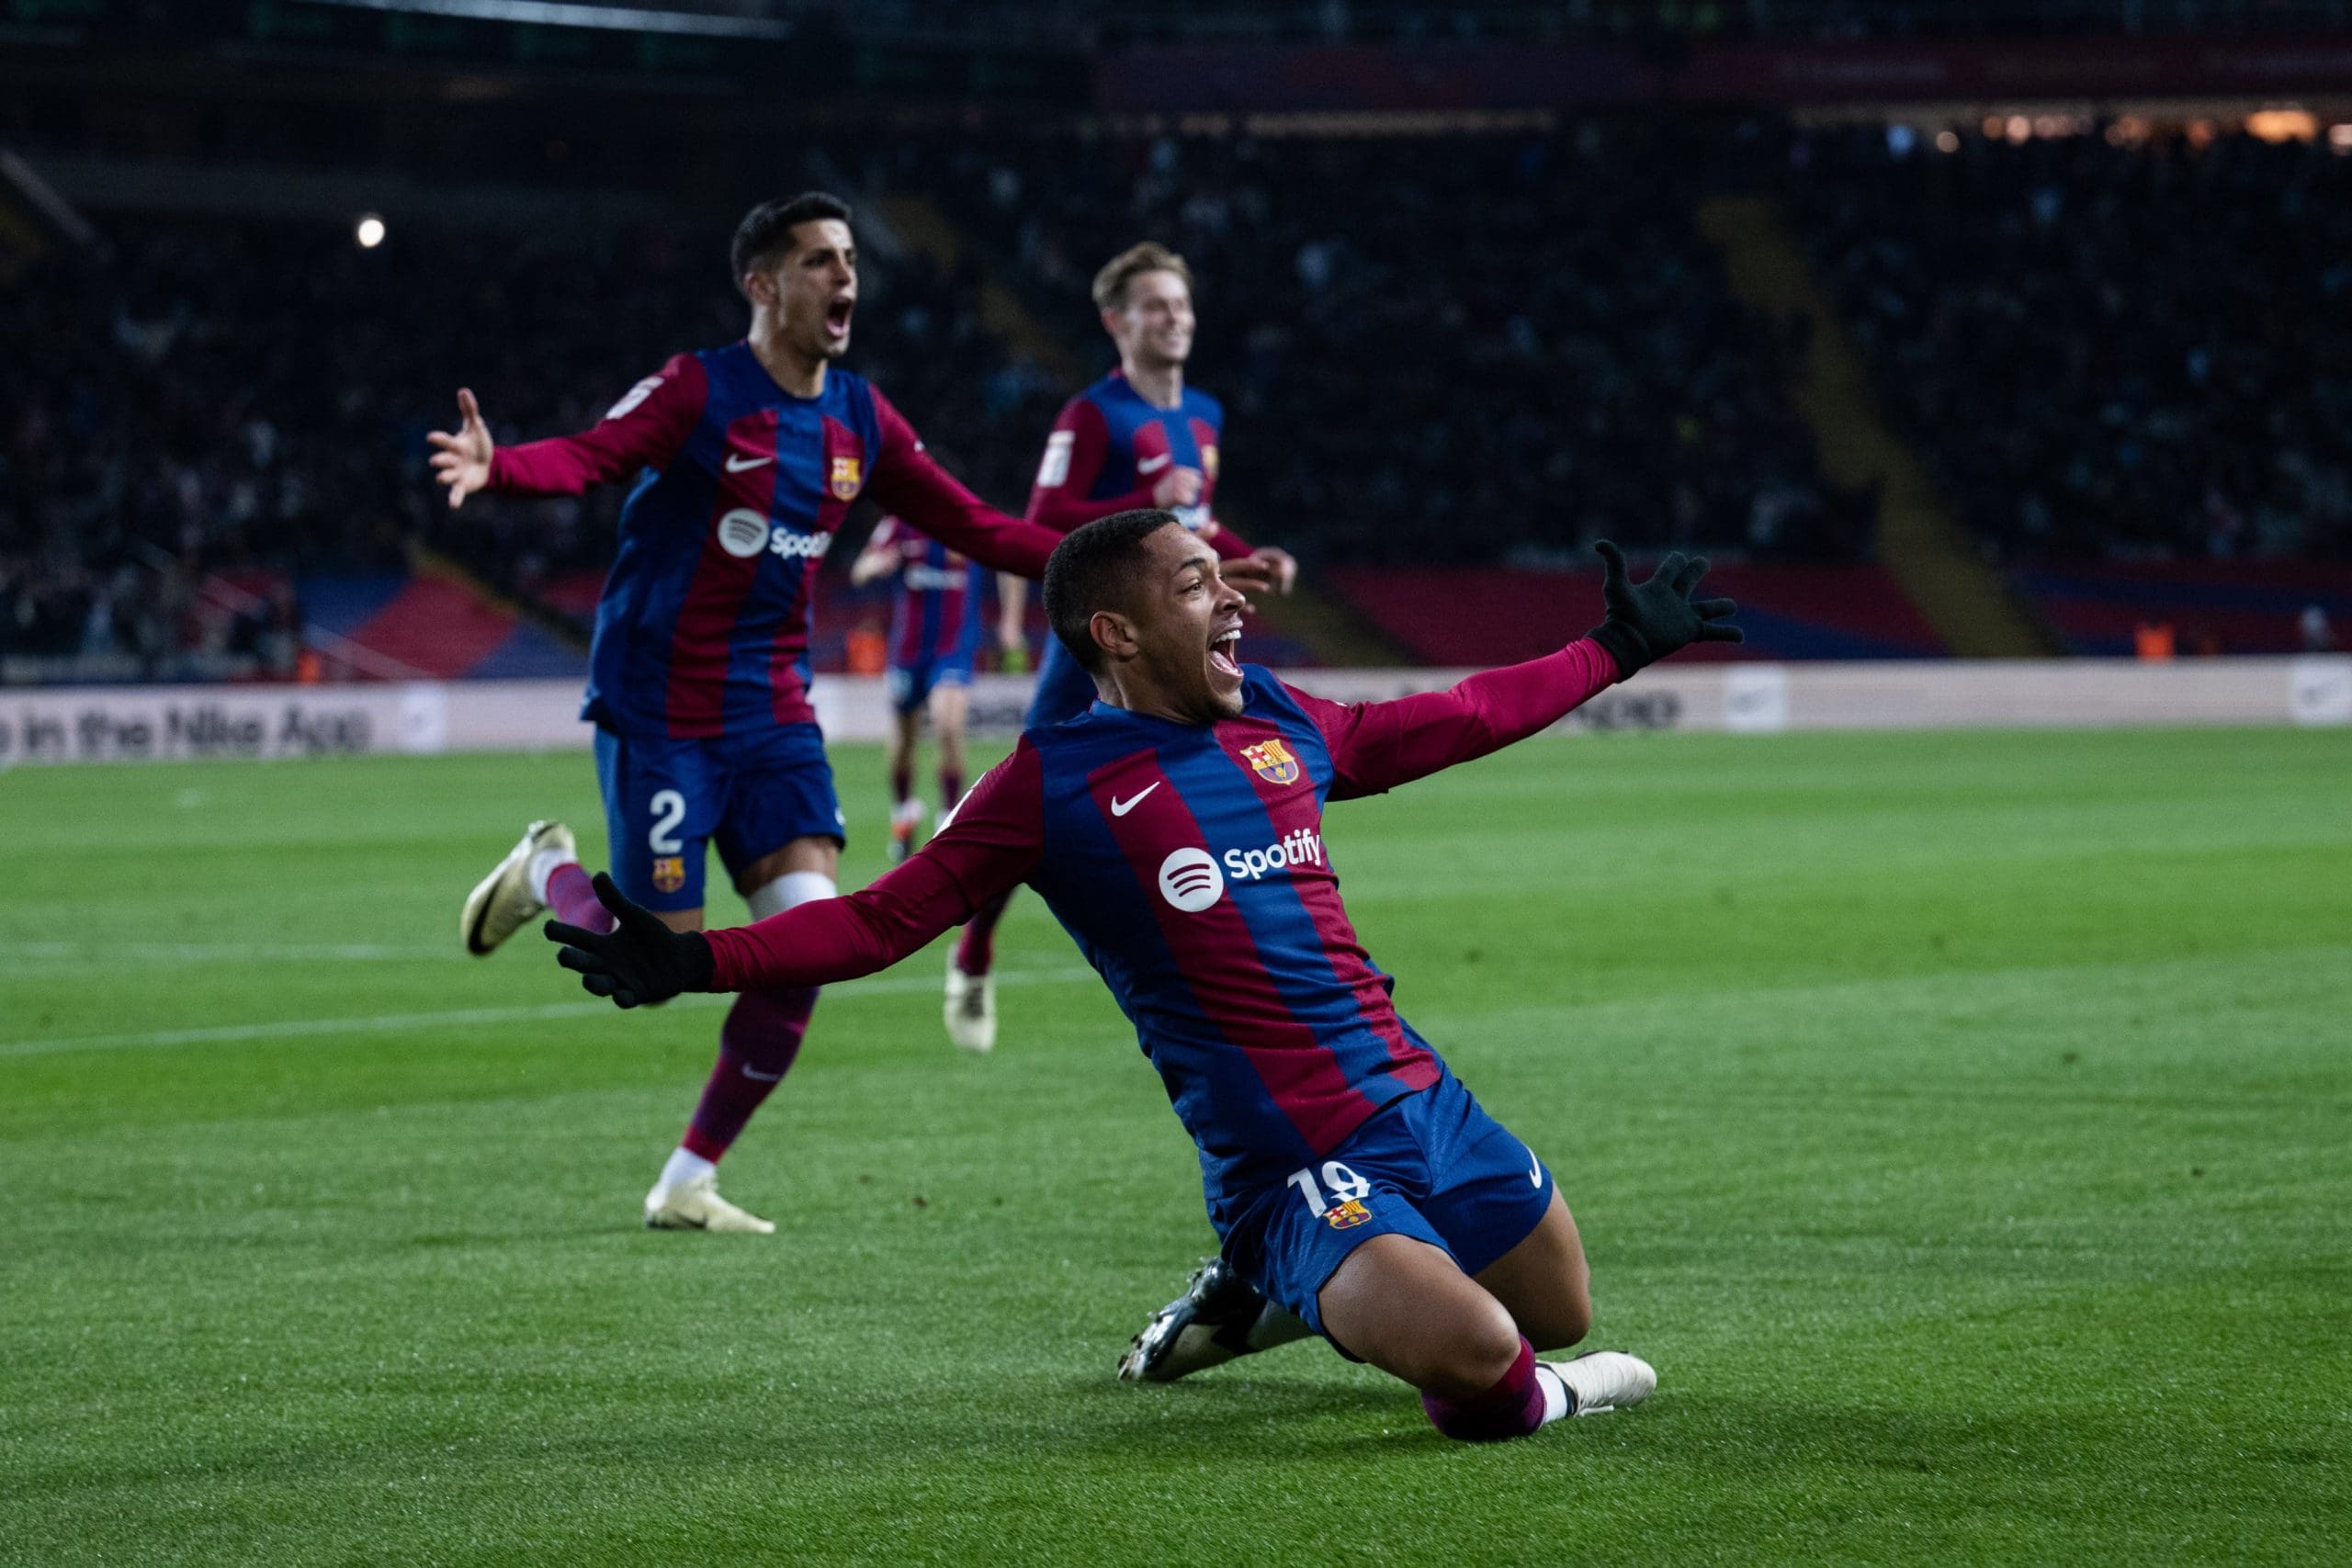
(1191, 880)
(743, 532)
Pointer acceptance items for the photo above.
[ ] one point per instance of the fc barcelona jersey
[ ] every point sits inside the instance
(703, 626)
(1189, 862)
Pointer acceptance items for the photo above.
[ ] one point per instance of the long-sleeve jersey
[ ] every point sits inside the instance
(1189, 862)
(934, 598)
(1108, 447)
(703, 627)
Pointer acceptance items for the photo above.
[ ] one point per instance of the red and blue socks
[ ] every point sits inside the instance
(1523, 1400)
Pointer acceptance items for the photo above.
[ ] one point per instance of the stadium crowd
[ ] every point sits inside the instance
(2118, 345)
(1453, 374)
(1520, 345)
(215, 403)
(2109, 345)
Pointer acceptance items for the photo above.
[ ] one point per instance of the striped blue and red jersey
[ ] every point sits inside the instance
(1189, 862)
(935, 597)
(1108, 447)
(702, 627)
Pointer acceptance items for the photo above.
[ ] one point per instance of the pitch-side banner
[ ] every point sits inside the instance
(112, 723)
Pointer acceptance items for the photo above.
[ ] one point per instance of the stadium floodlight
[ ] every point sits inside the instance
(370, 232)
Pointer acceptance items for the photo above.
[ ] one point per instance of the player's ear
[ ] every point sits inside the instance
(1113, 634)
(759, 288)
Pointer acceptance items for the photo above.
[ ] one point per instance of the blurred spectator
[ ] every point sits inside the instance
(2108, 347)
(1440, 348)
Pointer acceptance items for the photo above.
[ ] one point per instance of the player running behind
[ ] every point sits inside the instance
(1176, 832)
(743, 461)
(1139, 437)
(934, 638)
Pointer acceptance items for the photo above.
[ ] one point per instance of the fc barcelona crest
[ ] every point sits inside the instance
(669, 872)
(848, 478)
(1347, 1216)
(1272, 761)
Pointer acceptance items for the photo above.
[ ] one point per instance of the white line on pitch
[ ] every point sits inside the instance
(303, 1028)
(34, 953)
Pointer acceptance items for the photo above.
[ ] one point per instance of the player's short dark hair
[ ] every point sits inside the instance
(765, 232)
(1110, 283)
(1093, 569)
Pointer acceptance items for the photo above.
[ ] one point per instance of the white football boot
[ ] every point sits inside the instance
(970, 1008)
(695, 1204)
(502, 901)
(1603, 1381)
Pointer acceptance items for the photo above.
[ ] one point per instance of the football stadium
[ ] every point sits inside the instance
(683, 684)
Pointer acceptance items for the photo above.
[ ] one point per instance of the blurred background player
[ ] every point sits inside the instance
(934, 638)
(1353, 1179)
(1139, 437)
(745, 461)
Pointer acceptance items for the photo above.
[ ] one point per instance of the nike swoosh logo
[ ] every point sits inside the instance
(736, 463)
(1120, 807)
(1153, 465)
(751, 1072)
(1534, 1169)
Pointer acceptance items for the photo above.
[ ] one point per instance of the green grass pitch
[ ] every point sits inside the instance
(1962, 1123)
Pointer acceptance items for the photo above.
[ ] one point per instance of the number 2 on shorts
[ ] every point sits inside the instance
(669, 810)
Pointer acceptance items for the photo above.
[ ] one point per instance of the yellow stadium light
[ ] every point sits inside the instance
(2282, 125)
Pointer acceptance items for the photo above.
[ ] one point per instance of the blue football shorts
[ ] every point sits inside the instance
(750, 795)
(910, 685)
(1432, 1166)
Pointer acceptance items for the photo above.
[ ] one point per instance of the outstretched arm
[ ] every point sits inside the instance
(1377, 746)
(645, 429)
(985, 850)
(909, 481)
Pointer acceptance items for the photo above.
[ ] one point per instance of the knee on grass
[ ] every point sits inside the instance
(1510, 1406)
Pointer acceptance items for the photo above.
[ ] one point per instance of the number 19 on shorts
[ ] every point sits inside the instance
(1343, 1185)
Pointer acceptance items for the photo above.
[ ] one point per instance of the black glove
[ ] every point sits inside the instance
(638, 963)
(1649, 620)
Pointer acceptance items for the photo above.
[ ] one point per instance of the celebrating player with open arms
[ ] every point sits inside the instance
(1139, 437)
(1176, 831)
(744, 460)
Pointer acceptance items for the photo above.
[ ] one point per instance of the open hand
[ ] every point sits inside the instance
(640, 961)
(1650, 619)
(462, 461)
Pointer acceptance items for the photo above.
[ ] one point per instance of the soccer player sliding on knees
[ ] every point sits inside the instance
(1358, 1189)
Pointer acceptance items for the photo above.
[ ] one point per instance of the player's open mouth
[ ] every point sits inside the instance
(1223, 649)
(837, 316)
